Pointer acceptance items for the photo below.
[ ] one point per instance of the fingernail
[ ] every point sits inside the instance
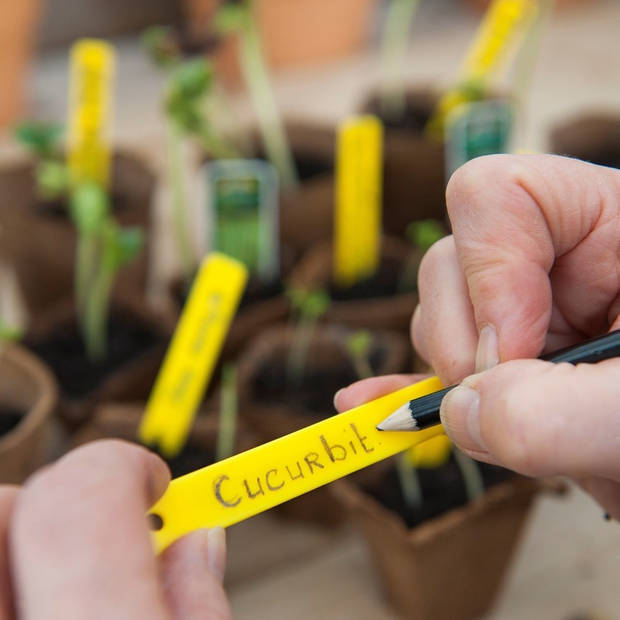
(487, 354)
(336, 396)
(459, 412)
(216, 552)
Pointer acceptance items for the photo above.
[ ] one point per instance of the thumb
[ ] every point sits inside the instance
(540, 418)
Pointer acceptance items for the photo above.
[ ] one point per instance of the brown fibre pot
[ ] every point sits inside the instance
(593, 137)
(371, 304)
(17, 36)
(414, 183)
(121, 421)
(451, 566)
(274, 406)
(137, 341)
(37, 239)
(302, 32)
(28, 397)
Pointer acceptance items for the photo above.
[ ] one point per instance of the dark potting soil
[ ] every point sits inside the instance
(255, 291)
(9, 419)
(442, 489)
(64, 352)
(314, 394)
(192, 457)
(384, 283)
(58, 208)
(605, 155)
(412, 120)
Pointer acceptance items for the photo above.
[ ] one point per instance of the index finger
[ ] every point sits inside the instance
(537, 239)
(79, 538)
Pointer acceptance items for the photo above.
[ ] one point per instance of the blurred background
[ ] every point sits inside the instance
(325, 62)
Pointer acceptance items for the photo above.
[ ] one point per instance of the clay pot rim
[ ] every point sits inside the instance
(45, 402)
(445, 522)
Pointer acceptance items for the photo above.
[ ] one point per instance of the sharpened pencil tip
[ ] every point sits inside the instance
(400, 420)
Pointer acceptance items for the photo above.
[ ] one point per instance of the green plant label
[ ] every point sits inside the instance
(243, 205)
(476, 129)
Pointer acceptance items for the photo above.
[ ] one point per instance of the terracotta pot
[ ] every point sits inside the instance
(273, 419)
(302, 32)
(28, 388)
(198, 14)
(39, 242)
(414, 183)
(54, 338)
(593, 137)
(470, 546)
(17, 35)
(393, 312)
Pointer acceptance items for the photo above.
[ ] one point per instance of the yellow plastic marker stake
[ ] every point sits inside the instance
(432, 453)
(251, 482)
(357, 226)
(192, 354)
(90, 103)
(502, 22)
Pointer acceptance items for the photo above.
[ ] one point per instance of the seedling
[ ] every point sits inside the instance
(398, 20)
(308, 306)
(228, 413)
(43, 142)
(422, 234)
(358, 346)
(102, 249)
(238, 18)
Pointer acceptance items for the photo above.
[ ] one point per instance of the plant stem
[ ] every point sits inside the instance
(179, 202)
(362, 366)
(300, 347)
(474, 485)
(86, 260)
(409, 482)
(216, 146)
(409, 275)
(228, 413)
(257, 79)
(525, 62)
(400, 14)
(97, 307)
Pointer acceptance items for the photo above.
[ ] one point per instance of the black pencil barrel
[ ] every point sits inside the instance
(425, 410)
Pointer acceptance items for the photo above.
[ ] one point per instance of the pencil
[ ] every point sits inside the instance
(420, 413)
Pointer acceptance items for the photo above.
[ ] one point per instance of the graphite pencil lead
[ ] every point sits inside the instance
(400, 420)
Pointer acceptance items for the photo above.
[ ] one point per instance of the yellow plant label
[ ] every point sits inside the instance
(254, 481)
(432, 453)
(357, 225)
(503, 21)
(191, 357)
(90, 105)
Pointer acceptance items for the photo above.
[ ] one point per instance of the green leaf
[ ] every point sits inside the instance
(52, 178)
(358, 343)
(232, 17)
(40, 138)
(160, 46)
(424, 233)
(129, 243)
(88, 207)
(10, 333)
(308, 304)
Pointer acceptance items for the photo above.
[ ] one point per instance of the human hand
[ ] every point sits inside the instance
(75, 543)
(533, 265)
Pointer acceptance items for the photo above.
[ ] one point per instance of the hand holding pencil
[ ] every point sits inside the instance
(533, 266)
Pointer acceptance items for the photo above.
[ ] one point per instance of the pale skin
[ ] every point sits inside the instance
(533, 265)
(75, 543)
